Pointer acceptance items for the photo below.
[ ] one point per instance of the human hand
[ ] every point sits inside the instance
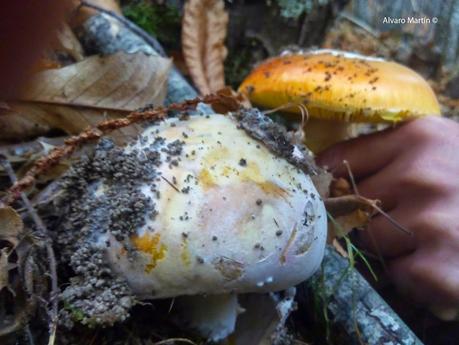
(414, 170)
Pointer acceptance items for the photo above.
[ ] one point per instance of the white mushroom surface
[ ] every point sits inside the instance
(231, 215)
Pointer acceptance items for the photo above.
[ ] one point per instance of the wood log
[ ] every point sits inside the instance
(356, 307)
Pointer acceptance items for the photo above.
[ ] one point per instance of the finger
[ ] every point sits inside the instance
(429, 275)
(382, 237)
(381, 186)
(366, 154)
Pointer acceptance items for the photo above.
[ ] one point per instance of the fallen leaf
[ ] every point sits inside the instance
(11, 225)
(5, 267)
(204, 29)
(230, 100)
(116, 82)
(15, 126)
(80, 95)
(68, 43)
(339, 187)
(347, 212)
(10, 229)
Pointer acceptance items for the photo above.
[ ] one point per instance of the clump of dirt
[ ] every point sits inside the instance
(95, 295)
(275, 137)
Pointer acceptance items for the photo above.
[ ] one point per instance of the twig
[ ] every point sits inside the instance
(170, 184)
(351, 177)
(374, 203)
(94, 133)
(131, 26)
(43, 233)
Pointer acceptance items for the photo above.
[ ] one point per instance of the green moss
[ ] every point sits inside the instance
(76, 313)
(295, 8)
(161, 21)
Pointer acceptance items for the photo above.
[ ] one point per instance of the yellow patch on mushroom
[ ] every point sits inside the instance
(185, 255)
(252, 174)
(206, 179)
(150, 244)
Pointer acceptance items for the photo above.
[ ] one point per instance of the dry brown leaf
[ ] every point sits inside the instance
(339, 187)
(120, 81)
(348, 212)
(204, 29)
(345, 224)
(230, 100)
(68, 43)
(5, 267)
(80, 95)
(10, 225)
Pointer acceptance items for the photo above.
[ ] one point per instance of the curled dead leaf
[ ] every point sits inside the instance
(80, 95)
(204, 29)
(11, 227)
(347, 212)
(68, 43)
(230, 100)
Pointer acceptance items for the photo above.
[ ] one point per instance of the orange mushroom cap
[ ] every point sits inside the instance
(341, 85)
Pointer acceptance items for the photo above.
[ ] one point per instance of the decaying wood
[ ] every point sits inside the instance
(118, 17)
(354, 306)
(204, 29)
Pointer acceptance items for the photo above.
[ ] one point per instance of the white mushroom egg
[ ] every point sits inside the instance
(207, 207)
(232, 216)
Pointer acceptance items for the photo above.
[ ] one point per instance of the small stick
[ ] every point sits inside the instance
(43, 232)
(351, 177)
(94, 133)
(170, 184)
(373, 203)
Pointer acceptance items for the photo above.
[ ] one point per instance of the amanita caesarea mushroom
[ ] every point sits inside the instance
(339, 88)
(220, 212)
